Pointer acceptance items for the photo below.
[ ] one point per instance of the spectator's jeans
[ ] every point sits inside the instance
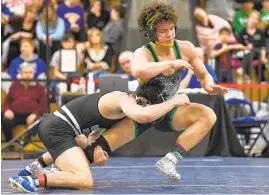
(226, 76)
(56, 89)
(247, 64)
(9, 124)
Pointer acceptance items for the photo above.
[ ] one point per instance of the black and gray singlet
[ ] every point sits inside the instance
(161, 87)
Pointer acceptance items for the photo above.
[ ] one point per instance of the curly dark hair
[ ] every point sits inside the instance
(166, 13)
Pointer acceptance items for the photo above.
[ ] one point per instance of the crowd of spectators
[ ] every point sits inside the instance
(235, 39)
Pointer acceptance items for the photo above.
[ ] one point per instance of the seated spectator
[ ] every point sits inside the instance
(241, 16)
(254, 39)
(68, 42)
(27, 56)
(207, 29)
(73, 15)
(223, 53)
(97, 16)
(113, 31)
(24, 103)
(98, 55)
(56, 31)
(23, 28)
(190, 80)
(125, 59)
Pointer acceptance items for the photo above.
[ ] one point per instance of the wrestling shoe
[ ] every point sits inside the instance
(35, 168)
(167, 167)
(23, 184)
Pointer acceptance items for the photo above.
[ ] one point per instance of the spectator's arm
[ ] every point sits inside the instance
(108, 58)
(13, 69)
(97, 66)
(26, 35)
(263, 55)
(42, 101)
(41, 67)
(218, 52)
(39, 32)
(55, 65)
(60, 28)
(4, 18)
(8, 99)
(237, 47)
(114, 35)
(236, 24)
(58, 74)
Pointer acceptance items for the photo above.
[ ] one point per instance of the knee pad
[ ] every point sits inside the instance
(89, 150)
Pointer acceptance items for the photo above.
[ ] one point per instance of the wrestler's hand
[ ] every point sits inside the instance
(181, 100)
(181, 64)
(82, 141)
(100, 156)
(215, 89)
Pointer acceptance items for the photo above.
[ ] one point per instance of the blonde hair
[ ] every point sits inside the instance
(53, 18)
(261, 23)
(27, 40)
(90, 33)
(30, 8)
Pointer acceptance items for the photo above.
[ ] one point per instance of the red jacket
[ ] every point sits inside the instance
(26, 100)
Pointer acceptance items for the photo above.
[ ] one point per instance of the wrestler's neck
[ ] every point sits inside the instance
(162, 50)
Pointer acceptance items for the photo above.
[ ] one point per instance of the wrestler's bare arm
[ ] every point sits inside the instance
(197, 64)
(144, 69)
(199, 69)
(149, 113)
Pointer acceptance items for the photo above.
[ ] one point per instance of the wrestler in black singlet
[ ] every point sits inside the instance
(80, 116)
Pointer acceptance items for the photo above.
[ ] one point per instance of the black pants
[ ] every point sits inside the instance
(80, 36)
(9, 124)
(56, 45)
(247, 64)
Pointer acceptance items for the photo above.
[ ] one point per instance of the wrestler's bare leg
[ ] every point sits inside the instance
(75, 171)
(197, 120)
(45, 160)
(120, 134)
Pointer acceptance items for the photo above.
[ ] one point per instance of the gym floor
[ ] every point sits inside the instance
(205, 175)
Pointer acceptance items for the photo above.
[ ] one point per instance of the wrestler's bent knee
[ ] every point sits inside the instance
(86, 182)
(208, 115)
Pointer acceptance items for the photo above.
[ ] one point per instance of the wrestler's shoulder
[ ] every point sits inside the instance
(183, 44)
(142, 51)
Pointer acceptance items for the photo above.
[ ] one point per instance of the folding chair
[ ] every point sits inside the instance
(245, 123)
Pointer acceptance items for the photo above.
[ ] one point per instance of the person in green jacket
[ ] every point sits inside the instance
(240, 19)
(265, 11)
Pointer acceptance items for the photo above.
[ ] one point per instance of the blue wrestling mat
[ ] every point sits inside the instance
(212, 175)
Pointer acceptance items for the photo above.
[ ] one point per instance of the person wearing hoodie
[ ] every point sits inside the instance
(113, 31)
(27, 47)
